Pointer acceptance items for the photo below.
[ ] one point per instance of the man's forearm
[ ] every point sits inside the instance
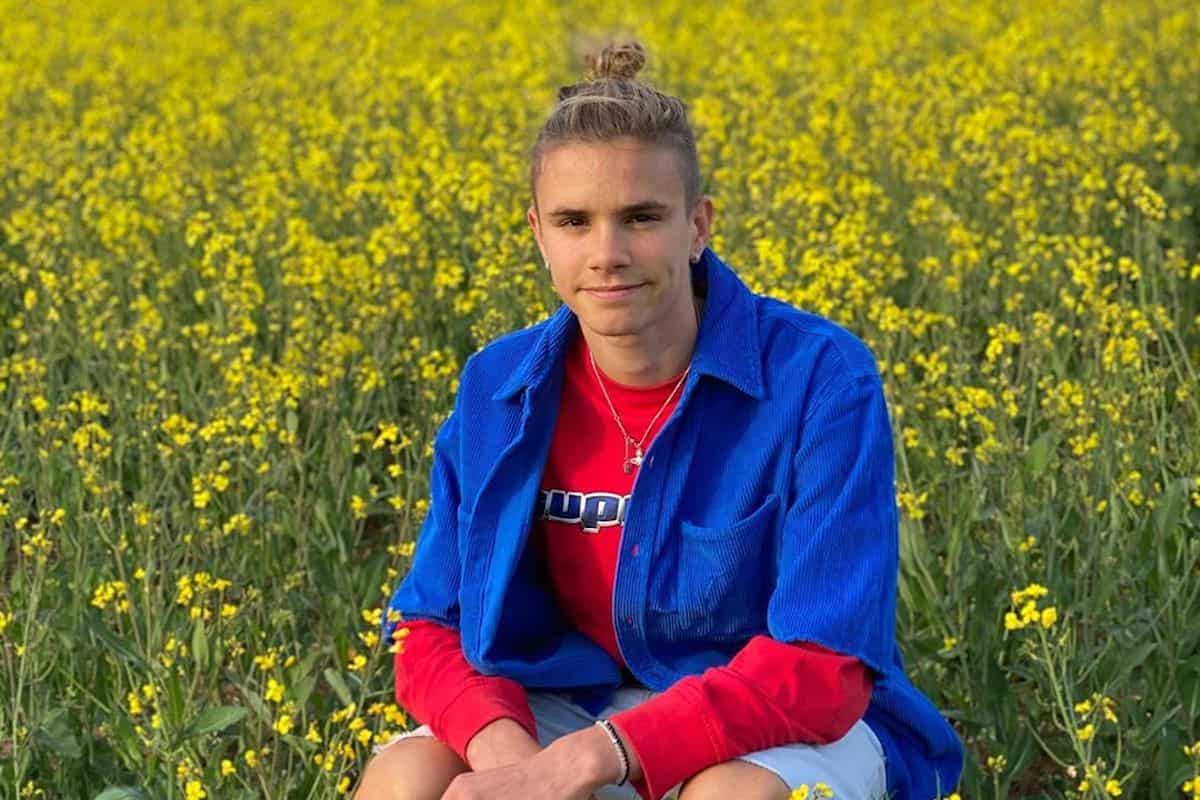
(500, 743)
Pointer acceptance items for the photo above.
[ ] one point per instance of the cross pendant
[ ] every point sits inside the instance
(635, 461)
(637, 458)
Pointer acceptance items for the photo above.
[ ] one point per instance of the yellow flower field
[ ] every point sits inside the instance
(246, 247)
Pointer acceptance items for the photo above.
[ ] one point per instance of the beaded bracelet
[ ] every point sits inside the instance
(616, 740)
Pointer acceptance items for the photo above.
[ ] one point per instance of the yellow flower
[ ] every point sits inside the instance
(1049, 617)
(251, 758)
(394, 715)
(274, 691)
(1031, 592)
(1113, 787)
(266, 660)
(1086, 732)
(227, 767)
(195, 791)
(284, 724)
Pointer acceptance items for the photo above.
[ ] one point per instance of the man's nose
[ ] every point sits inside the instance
(609, 247)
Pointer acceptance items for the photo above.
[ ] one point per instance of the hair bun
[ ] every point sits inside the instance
(617, 61)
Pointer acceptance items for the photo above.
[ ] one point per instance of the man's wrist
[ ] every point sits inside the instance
(591, 756)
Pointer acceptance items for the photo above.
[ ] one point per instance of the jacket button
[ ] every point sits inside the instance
(629, 620)
(634, 550)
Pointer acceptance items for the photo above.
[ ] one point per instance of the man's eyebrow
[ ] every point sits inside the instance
(646, 205)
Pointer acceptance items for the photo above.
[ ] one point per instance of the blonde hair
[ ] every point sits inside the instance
(610, 103)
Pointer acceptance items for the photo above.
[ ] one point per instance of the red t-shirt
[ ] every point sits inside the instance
(770, 693)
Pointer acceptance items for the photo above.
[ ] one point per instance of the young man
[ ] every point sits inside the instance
(667, 510)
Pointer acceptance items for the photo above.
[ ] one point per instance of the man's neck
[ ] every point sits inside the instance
(646, 360)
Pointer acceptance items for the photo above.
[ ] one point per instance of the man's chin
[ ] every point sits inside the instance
(609, 327)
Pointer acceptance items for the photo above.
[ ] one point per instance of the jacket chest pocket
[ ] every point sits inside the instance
(723, 578)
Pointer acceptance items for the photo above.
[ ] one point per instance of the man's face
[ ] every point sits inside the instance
(612, 224)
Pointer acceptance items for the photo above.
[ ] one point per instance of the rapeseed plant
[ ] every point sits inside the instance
(245, 252)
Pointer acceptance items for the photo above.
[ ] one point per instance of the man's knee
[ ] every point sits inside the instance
(734, 779)
(420, 768)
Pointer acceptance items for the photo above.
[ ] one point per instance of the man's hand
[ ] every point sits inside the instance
(569, 769)
(499, 744)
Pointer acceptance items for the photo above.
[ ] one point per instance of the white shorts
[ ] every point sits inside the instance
(852, 766)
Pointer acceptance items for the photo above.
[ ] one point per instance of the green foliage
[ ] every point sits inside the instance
(244, 253)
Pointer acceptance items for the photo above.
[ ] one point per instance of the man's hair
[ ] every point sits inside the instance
(610, 103)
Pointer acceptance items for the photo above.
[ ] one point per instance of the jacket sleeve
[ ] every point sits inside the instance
(430, 589)
(434, 680)
(838, 557)
(770, 694)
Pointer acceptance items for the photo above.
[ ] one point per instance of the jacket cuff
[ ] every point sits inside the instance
(653, 728)
(481, 702)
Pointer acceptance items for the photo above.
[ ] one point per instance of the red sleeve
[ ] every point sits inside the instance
(438, 686)
(770, 694)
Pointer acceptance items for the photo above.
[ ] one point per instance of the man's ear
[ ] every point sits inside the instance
(531, 216)
(702, 216)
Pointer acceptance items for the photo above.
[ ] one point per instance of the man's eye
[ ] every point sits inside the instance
(570, 222)
(645, 218)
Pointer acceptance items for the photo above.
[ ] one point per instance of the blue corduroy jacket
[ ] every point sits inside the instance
(765, 505)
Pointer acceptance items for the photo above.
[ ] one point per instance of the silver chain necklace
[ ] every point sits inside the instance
(629, 463)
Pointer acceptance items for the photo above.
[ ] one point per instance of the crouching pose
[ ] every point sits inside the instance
(661, 554)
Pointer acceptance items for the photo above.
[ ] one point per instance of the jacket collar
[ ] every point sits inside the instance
(727, 348)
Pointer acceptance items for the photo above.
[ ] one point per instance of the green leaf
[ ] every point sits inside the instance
(200, 645)
(1156, 723)
(256, 703)
(303, 678)
(175, 701)
(114, 643)
(339, 686)
(121, 793)
(55, 734)
(1168, 516)
(1037, 457)
(213, 719)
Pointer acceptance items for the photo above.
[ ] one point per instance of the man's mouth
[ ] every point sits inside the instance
(613, 292)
